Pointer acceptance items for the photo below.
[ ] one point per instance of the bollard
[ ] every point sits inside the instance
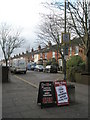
(5, 71)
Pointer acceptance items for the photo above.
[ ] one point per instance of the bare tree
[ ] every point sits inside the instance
(52, 26)
(9, 40)
(76, 24)
(50, 30)
(79, 16)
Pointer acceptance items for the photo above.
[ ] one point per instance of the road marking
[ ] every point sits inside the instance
(35, 86)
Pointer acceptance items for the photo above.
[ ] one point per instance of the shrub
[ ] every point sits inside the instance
(82, 66)
(74, 61)
(70, 74)
(49, 62)
(52, 62)
(74, 64)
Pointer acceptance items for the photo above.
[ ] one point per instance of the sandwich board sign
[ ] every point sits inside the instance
(62, 97)
(46, 94)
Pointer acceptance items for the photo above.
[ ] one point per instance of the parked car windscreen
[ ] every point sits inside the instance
(39, 66)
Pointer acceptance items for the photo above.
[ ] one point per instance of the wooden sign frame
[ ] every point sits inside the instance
(46, 94)
(61, 92)
(65, 37)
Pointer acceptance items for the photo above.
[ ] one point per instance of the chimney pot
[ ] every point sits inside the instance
(39, 47)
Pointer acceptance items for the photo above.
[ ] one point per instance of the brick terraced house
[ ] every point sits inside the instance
(44, 54)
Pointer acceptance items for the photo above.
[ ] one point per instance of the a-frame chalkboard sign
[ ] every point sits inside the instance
(46, 94)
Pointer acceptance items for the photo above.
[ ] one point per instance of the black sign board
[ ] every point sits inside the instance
(46, 94)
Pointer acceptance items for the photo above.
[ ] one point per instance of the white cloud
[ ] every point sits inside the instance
(20, 12)
(23, 13)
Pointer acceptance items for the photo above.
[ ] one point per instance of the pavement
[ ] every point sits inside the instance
(19, 100)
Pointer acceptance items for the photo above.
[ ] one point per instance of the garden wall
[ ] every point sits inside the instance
(83, 79)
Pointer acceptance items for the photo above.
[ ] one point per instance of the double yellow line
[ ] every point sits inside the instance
(35, 86)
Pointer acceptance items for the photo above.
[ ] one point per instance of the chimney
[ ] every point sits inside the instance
(39, 47)
(32, 50)
(26, 51)
(22, 53)
(49, 43)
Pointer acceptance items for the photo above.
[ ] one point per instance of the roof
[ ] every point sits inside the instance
(76, 41)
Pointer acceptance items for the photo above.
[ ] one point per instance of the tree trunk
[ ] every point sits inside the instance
(88, 54)
(6, 62)
(88, 62)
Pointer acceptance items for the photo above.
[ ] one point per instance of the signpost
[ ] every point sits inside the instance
(46, 94)
(65, 37)
(65, 40)
(62, 97)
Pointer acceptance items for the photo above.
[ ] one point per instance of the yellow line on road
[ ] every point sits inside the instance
(26, 81)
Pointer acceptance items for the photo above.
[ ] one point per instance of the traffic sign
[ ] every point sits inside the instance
(65, 37)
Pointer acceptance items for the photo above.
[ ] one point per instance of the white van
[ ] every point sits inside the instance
(18, 65)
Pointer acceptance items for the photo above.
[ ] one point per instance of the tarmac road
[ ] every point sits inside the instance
(19, 98)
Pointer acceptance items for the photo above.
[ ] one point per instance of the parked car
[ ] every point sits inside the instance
(18, 65)
(39, 68)
(33, 65)
(51, 68)
(28, 66)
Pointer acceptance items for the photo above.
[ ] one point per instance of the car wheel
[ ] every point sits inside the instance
(50, 71)
(14, 71)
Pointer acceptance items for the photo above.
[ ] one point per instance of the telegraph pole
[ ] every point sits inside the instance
(65, 18)
(64, 61)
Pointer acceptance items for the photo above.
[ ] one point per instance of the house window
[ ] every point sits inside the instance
(32, 56)
(70, 51)
(36, 57)
(66, 51)
(40, 55)
(76, 50)
(53, 55)
(62, 51)
(45, 55)
(60, 62)
(81, 51)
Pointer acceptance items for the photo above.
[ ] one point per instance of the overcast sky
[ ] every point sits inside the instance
(22, 13)
(25, 14)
